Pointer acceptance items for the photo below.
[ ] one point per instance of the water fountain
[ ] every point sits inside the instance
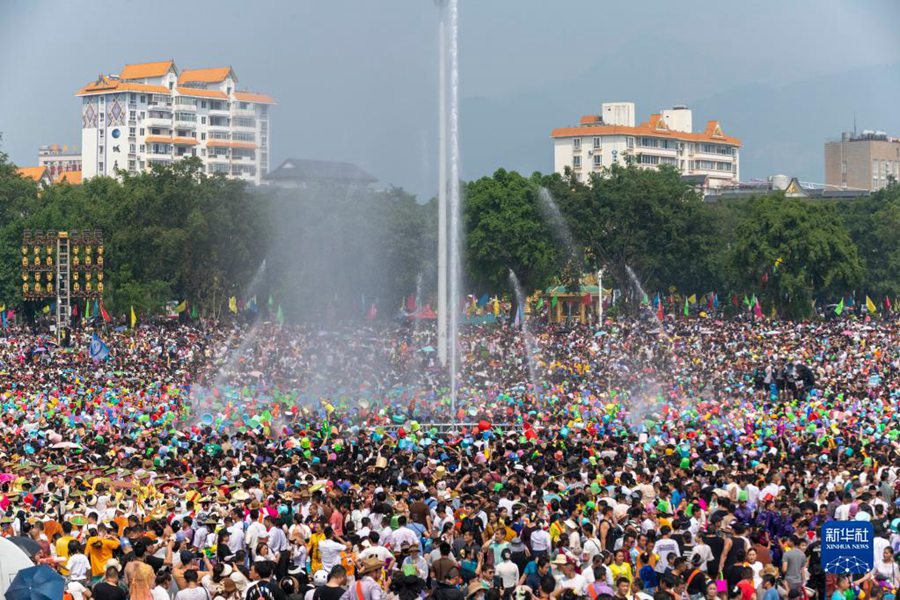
(635, 281)
(558, 226)
(455, 233)
(530, 346)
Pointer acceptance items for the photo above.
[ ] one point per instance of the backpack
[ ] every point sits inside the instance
(259, 591)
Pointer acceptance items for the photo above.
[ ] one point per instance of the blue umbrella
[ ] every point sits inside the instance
(36, 583)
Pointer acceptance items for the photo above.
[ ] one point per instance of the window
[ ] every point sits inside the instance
(668, 160)
(142, 131)
(155, 131)
(202, 151)
(649, 142)
(131, 148)
(101, 150)
(649, 159)
(203, 120)
(131, 165)
(596, 142)
(598, 159)
(131, 97)
(143, 148)
(629, 142)
(100, 166)
(143, 98)
(576, 161)
(131, 132)
(202, 136)
(203, 104)
(576, 143)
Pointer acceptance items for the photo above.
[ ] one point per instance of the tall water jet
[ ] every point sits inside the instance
(558, 226)
(454, 208)
(442, 190)
(530, 346)
(636, 282)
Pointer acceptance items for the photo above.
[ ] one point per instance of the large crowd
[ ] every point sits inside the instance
(633, 461)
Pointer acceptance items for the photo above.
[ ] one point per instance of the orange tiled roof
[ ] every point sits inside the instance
(33, 173)
(104, 85)
(187, 91)
(654, 127)
(185, 141)
(213, 75)
(142, 70)
(254, 97)
(73, 177)
(158, 139)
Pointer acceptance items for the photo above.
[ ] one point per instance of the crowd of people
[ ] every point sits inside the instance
(637, 460)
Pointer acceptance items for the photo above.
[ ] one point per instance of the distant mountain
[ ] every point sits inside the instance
(783, 127)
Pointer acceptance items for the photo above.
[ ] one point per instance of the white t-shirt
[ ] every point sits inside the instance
(540, 540)
(577, 583)
(664, 548)
(158, 593)
(78, 567)
(330, 552)
(508, 572)
(77, 590)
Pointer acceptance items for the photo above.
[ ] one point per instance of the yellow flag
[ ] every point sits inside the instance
(133, 318)
(181, 307)
(2, 307)
(692, 298)
(870, 306)
(232, 304)
(46, 310)
(496, 303)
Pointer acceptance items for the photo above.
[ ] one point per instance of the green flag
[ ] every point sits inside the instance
(645, 300)
(194, 311)
(271, 302)
(840, 307)
(746, 301)
(280, 316)
(553, 301)
(540, 304)
(687, 309)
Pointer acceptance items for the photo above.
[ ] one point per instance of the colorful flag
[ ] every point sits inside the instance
(96, 311)
(659, 311)
(182, 306)
(715, 300)
(734, 300)
(658, 302)
(279, 317)
(3, 318)
(746, 301)
(778, 262)
(645, 300)
(482, 302)
(850, 301)
(133, 318)
(496, 304)
(104, 313)
(98, 350)
(839, 308)
(686, 307)
(586, 299)
(870, 306)
(271, 302)
(232, 304)
(540, 304)
(692, 298)
(372, 313)
(195, 312)
(553, 302)
(887, 303)
(757, 309)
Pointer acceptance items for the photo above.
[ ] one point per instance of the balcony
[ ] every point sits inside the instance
(185, 124)
(222, 111)
(160, 106)
(164, 122)
(218, 158)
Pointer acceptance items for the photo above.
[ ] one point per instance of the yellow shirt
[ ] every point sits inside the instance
(623, 570)
(100, 554)
(62, 551)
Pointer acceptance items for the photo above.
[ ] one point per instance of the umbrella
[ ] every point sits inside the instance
(36, 583)
(30, 546)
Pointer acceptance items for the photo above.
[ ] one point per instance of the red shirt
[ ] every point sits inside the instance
(748, 592)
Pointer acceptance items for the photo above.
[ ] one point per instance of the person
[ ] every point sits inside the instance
(623, 587)
(330, 549)
(162, 582)
(666, 549)
(443, 565)
(263, 588)
(770, 592)
(745, 586)
(793, 563)
(99, 549)
(192, 589)
(319, 579)
(570, 580)
(334, 587)
(78, 565)
(189, 562)
(534, 572)
(842, 584)
(508, 572)
(886, 571)
(619, 567)
(141, 579)
(108, 588)
(695, 584)
(448, 588)
(366, 587)
(712, 591)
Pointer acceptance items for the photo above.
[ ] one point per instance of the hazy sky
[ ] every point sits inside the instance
(356, 80)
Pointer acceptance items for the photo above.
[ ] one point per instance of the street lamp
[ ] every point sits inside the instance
(600, 296)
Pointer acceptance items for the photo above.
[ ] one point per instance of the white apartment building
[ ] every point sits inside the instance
(667, 138)
(59, 160)
(151, 113)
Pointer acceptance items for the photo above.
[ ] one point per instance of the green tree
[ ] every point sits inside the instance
(790, 251)
(504, 230)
